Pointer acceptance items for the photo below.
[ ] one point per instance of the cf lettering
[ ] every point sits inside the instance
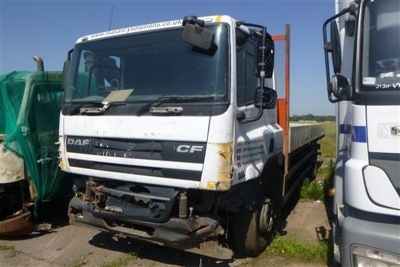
(188, 149)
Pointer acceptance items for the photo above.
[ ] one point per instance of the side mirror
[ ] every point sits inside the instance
(65, 69)
(265, 52)
(195, 34)
(340, 87)
(335, 48)
(337, 85)
(267, 97)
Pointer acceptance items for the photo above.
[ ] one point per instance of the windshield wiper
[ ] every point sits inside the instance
(93, 108)
(77, 109)
(172, 99)
(99, 110)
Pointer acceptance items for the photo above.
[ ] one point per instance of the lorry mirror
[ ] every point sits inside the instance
(335, 48)
(265, 56)
(65, 74)
(65, 69)
(265, 98)
(198, 36)
(341, 88)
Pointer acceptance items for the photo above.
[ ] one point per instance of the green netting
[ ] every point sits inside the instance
(29, 113)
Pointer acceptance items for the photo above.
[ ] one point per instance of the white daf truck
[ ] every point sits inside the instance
(173, 134)
(365, 47)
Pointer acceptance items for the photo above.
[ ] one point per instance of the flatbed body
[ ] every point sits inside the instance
(303, 133)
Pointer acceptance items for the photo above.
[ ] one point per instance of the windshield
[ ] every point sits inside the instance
(149, 65)
(381, 46)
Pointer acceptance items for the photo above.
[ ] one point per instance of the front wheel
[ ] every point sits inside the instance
(252, 229)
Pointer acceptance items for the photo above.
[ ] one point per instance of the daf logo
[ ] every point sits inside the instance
(189, 149)
(78, 141)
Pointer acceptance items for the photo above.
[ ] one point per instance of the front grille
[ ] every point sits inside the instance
(170, 151)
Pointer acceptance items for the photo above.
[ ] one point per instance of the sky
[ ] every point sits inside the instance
(50, 28)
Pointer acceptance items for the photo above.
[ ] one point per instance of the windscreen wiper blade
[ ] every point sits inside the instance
(157, 102)
(94, 110)
(77, 109)
(114, 98)
(172, 99)
(99, 110)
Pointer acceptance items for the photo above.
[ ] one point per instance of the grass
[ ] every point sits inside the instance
(12, 252)
(79, 263)
(316, 189)
(294, 248)
(121, 262)
(328, 143)
(313, 190)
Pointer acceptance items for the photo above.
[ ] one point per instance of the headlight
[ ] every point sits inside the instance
(368, 257)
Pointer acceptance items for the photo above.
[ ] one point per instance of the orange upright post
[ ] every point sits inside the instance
(284, 101)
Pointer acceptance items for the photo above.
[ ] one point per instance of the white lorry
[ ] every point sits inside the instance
(173, 135)
(365, 47)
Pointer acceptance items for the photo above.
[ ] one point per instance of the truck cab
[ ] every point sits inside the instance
(365, 85)
(173, 131)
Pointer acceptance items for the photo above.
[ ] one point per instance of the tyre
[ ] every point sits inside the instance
(252, 229)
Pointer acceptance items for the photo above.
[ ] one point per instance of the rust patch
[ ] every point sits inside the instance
(225, 167)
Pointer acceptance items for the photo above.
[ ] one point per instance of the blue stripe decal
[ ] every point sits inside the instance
(345, 129)
(359, 134)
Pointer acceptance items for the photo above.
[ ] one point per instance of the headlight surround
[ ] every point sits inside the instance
(370, 257)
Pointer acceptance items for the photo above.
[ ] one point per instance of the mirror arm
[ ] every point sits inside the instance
(262, 73)
(330, 98)
(242, 119)
(328, 46)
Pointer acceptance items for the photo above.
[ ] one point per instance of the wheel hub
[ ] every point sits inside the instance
(266, 216)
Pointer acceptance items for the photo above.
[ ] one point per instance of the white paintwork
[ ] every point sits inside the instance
(145, 127)
(376, 182)
(356, 193)
(148, 27)
(381, 119)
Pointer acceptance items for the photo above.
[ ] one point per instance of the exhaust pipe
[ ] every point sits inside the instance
(39, 63)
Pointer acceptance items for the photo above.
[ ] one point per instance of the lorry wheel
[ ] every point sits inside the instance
(253, 229)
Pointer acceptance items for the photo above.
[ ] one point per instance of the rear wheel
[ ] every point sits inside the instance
(252, 229)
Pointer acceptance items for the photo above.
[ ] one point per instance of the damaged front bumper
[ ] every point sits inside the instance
(195, 234)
